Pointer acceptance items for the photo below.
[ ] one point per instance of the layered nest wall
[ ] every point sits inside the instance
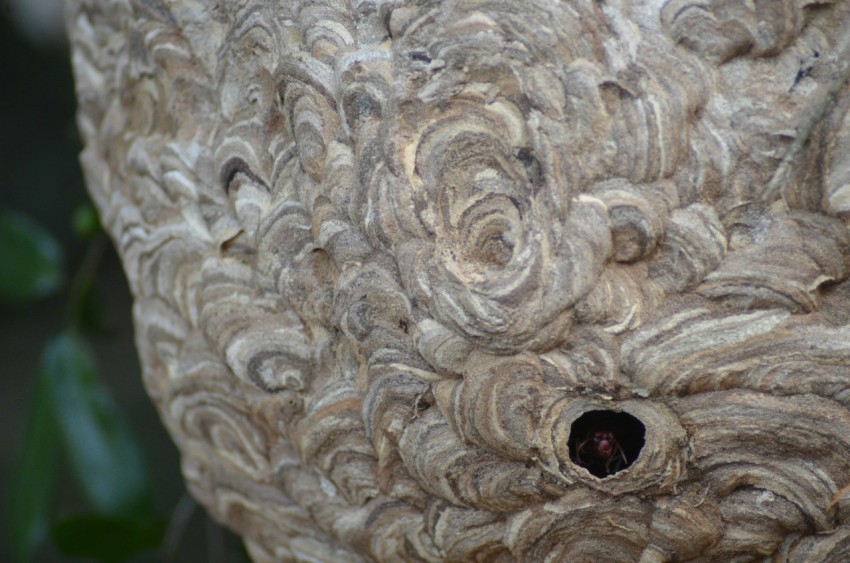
(488, 280)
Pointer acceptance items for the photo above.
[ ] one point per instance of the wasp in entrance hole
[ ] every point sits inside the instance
(600, 450)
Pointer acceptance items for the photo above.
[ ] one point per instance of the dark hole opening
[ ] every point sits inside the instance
(605, 442)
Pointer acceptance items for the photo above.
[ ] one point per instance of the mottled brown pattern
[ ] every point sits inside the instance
(386, 253)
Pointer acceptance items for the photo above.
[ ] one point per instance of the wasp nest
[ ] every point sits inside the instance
(488, 280)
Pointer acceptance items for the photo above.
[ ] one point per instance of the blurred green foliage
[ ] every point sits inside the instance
(95, 435)
(33, 482)
(31, 262)
(74, 411)
(108, 538)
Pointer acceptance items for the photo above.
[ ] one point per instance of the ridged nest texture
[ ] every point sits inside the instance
(389, 258)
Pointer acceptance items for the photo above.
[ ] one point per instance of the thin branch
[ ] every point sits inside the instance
(177, 527)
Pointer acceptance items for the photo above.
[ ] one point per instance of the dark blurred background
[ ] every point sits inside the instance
(40, 176)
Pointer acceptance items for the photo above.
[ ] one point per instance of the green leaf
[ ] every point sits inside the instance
(34, 478)
(105, 456)
(108, 539)
(30, 260)
(85, 221)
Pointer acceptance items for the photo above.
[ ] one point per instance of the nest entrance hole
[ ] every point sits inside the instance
(605, 442)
